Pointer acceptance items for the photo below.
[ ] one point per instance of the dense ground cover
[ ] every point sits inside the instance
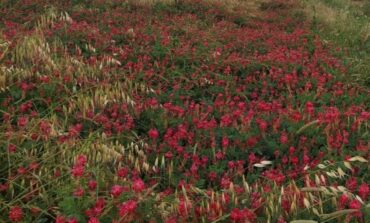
(188, 111)
(345, 23)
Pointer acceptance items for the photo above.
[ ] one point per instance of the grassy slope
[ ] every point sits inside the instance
(73, 100)
(346, 23)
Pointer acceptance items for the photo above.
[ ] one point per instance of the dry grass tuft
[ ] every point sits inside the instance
(249, 7)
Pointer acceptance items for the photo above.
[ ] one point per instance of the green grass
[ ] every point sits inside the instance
(345, 24)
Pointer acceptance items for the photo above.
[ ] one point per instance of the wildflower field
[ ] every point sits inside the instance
(181, 111)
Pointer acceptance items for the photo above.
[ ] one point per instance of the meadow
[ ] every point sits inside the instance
(184, 111)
